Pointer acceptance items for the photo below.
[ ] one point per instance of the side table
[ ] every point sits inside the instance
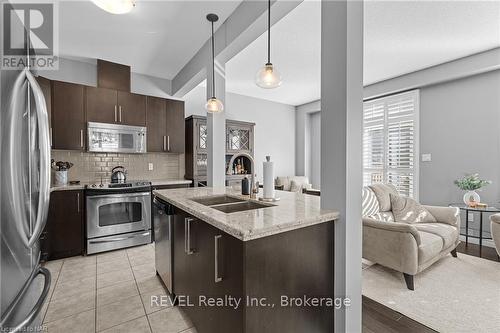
(468, 209)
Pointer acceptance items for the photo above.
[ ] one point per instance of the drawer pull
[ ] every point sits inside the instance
(216, 240)
(187, 236)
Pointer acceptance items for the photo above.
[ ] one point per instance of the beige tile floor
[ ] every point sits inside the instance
(109, 292)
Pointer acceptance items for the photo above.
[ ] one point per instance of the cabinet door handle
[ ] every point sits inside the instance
(216, 263)
(78, 202)
(116, 117)
(120, 113)
(164, 143)
(81, 138)
(168, 142)
(187, 236)
(51, 137)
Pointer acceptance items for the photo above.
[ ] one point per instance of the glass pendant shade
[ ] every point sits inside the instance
(115, 6)
(214, 105)
(268, 77)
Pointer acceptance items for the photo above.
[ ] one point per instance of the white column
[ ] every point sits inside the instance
(341, 136)
(216, 129)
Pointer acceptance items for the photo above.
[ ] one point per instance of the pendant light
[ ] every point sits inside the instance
(268, 77)
(115, 6)
(213, 105)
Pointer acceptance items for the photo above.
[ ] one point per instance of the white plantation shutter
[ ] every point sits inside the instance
(390, 142)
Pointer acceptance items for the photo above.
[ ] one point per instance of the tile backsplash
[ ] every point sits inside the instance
(90, 167)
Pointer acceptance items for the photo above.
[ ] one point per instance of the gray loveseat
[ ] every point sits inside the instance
(407, 247)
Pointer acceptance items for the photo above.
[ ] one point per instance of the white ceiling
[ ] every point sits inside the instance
(159, 37)
(405, 36)
(295, 51)
(400, 37)
(156, 38)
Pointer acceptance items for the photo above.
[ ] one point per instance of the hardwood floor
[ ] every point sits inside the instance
(378, 318)
(473, 250)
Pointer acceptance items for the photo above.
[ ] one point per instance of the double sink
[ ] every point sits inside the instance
(229, 204)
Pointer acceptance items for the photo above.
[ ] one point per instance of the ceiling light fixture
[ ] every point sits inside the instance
(115, 6)
(268, 76)
(213, 105)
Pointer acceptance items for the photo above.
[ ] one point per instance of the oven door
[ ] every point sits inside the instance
(113, 214)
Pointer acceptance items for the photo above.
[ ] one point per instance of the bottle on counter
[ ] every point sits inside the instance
(245, 186)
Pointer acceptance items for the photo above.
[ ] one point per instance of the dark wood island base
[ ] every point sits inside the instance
(211, 266)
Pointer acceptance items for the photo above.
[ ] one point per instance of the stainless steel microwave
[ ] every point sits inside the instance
(112, 138)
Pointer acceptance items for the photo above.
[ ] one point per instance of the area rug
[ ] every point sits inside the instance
(453, 295)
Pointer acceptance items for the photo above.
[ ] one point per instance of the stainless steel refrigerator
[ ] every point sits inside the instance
(24, 197)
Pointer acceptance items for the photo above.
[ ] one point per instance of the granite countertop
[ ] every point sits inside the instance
(82, 185)
(293, 211)
(68, 187)
(170, 182)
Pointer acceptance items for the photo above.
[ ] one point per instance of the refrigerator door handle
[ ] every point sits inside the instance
(44, 147)
(36, 308)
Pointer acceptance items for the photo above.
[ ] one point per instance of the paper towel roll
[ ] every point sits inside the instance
(268, 167)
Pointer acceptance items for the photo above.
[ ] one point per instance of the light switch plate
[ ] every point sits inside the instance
(426, 157)
(471, 217)
(150, 166)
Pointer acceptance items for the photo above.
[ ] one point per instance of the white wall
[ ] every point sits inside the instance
(459, 125)
(274, 126)
(303, 137)
(315, 147)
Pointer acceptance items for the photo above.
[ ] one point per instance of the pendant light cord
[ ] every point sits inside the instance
(213, 63)
(269, 31)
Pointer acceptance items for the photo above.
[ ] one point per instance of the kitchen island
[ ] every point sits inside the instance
(241, 265)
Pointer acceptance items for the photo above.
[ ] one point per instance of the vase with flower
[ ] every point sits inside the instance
(471, 183)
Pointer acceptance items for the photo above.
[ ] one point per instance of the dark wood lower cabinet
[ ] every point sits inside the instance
(210, 265)
(63, 235)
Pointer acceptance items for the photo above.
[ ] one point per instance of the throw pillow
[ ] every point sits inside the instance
(370, 204)
(294, 187)
(382, 192)
(408, 210)
(383, 216)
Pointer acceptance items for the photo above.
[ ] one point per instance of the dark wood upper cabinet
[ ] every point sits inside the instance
(156, 124)
(165, 123)
(131, 109)
(175, 126)
(119, 107)
(63, 235)
(113, 76)
(68, 116)
(101, 105)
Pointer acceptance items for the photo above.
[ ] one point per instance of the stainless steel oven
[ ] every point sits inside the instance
(118, 215)
(116, 138)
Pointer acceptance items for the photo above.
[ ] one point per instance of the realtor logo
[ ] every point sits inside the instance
(29, 36)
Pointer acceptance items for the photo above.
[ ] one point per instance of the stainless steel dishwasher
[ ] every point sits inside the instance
(162, 222)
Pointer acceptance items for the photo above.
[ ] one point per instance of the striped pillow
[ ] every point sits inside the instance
(370, 203)
(383, 216)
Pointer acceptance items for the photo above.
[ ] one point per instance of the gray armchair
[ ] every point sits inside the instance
(407, 247)
(495, 231)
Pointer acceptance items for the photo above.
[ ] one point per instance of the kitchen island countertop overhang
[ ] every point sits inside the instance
(294, 211)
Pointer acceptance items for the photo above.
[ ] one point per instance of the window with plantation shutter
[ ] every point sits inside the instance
(390, 142)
